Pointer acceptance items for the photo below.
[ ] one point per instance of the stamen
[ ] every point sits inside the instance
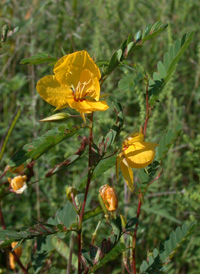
(79, 91)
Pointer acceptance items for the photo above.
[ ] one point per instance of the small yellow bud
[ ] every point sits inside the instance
(109, 197)
(18, 183)
(18, 252)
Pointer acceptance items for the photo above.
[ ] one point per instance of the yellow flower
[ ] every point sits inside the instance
(18, 252)
(109, 197)
(75, 84)
(18, 183)
(135, 154)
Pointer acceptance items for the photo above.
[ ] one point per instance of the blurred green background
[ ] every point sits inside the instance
(99, 27)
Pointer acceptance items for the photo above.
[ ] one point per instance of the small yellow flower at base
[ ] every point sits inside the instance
(109, 197)
(18, 252)
(18, 184)
(75, 84)
(135, 154)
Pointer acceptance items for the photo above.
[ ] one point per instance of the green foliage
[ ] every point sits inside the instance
(166, 142)
(64, 28)
(156, 261)
(166, 69)
(112, 255)
(8, 132)
(37, 230)
(42, 144)
(39, 58)
(129, 46)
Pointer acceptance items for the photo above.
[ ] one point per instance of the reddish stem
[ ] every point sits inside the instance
(74, 202)
(90, 171)
(126, 266)
(2, 219)
(24, 270)
(135, 234)
(79, 252)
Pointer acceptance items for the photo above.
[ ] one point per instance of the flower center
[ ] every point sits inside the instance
(80, 91)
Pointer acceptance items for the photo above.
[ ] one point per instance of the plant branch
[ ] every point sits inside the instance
(90, 172)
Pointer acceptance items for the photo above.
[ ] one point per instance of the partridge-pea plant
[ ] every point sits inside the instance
(76, 88)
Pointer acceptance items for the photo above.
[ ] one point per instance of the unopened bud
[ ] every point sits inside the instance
(69, 191)
(58, 117)
(109, 197)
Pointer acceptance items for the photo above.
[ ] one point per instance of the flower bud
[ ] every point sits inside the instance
(69, 191)
(58, 117)
(109, 197)
(18, 252)
(18, 183)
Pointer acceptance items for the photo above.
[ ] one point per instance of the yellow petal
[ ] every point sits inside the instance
(90, 85)
(87, 106)
(68, 69)
(140, 154)
(127, 174)
(52, 92)
(132, 138)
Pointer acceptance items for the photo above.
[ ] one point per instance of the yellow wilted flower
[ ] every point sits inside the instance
(18, 183)
(18, 252)
(135, 154)
(17, 169)
(75, 84)
(109, 197)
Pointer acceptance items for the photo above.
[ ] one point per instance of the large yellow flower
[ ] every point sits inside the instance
(75, 84)
(135, 154)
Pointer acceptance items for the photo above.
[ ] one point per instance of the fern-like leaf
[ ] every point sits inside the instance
(157, 260)
(167, 67)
